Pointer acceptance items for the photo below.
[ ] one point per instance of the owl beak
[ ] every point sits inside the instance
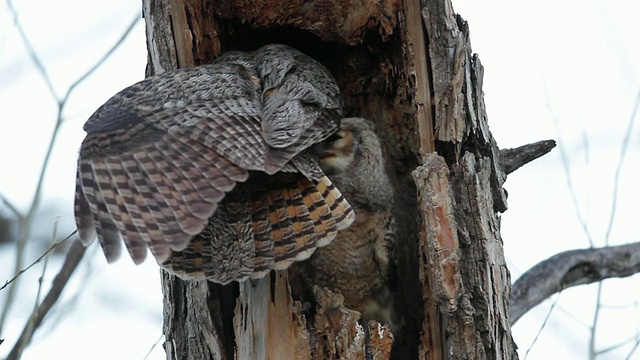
(337, 153)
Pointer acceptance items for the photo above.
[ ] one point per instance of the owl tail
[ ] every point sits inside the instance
(266, 223)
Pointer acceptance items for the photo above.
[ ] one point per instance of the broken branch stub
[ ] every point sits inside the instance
(512, 159)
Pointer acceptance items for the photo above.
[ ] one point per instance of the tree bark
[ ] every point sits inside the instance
(408, 66)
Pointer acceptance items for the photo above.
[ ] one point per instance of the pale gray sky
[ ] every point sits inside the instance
(577, 61)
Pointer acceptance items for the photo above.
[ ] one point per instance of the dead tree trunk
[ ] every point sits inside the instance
(408, 66)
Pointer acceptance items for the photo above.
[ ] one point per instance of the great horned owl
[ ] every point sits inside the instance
(357, 263)
(214, 168)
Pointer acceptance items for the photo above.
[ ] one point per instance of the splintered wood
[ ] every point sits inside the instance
(439, 253)
(341, 336)
(440, 230)
(334, 332)
(264, 305)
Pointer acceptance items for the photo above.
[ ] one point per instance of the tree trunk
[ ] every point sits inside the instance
(407, 66)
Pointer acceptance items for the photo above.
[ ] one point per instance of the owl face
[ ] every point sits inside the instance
(339, 153)
(353, 158)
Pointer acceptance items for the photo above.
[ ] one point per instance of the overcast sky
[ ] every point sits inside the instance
(564, 70)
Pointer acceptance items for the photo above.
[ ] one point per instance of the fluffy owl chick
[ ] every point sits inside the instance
(356, 264)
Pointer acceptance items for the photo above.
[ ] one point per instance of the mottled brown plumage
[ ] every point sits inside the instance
(212, 167)
(357, 263)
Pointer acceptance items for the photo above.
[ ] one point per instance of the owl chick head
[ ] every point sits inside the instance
(337, 152)
(353, 158)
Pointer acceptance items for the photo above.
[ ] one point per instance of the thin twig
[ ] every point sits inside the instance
(73, 258)
(581, 220)
(633, 349)
(544, 324)
(594, 325)
(153, 347)
(12, 208)
(32, 53)
(53, 246)
(620, 344)
(573, 317)
(614, 205)
(616, 177)
(108, 54)
(567, 170)
(30, 325)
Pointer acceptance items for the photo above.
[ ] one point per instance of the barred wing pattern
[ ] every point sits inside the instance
(281, 219)
(219, 152)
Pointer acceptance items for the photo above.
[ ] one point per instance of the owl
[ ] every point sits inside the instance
(216, 169)
(358, 263)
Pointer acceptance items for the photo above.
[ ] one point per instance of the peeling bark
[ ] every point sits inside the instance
(436, 205)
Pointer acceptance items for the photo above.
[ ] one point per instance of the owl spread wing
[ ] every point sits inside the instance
(281, 219)
(162, 158)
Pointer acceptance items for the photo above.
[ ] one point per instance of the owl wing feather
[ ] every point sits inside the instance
(291, 216)
(163, 158)
(292, 102)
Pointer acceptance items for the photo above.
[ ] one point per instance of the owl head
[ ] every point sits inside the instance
(354, 160)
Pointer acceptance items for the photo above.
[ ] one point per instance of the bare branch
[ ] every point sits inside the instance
(74, 255)
(512, 159)
(571, 268)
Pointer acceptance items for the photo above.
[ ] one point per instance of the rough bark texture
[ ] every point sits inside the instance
(192, 314)
(474, 316)
(407, 66)
(512, 159)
